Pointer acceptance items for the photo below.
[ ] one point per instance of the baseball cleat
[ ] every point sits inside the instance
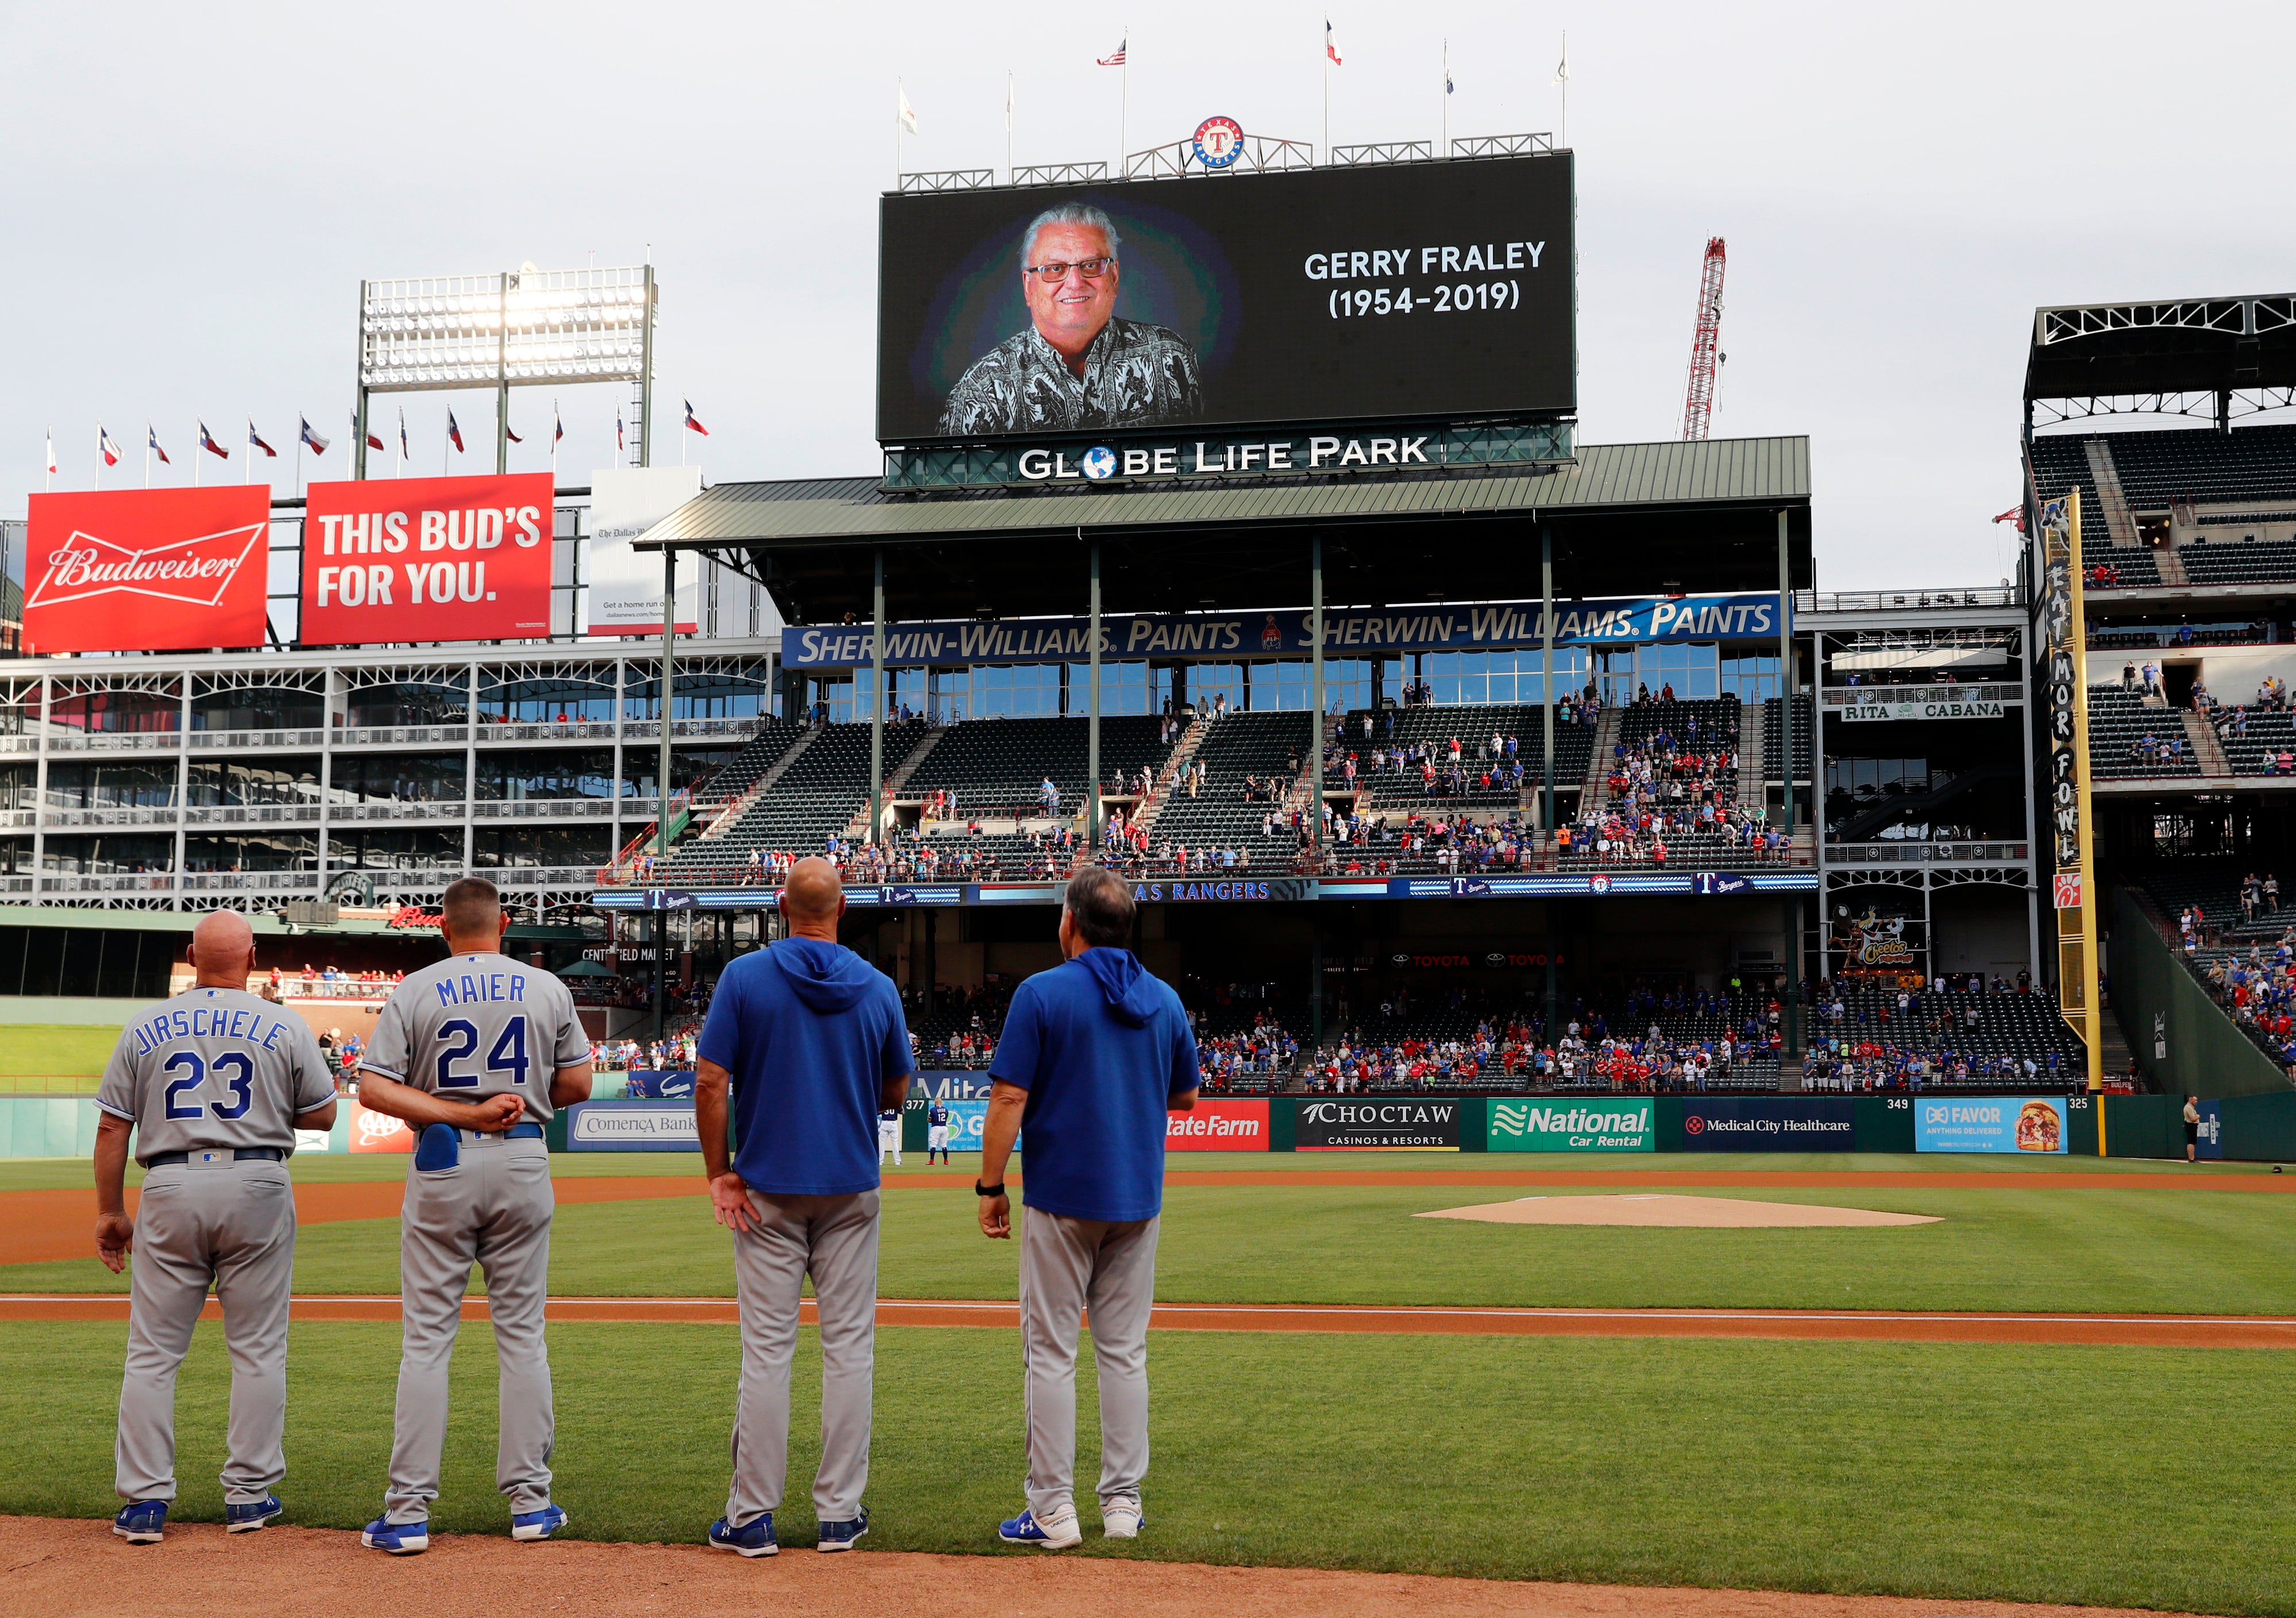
(752, 1539)
(1057, 1532)
(840, 1536)
(141, 1522)
(253, 1516)
(400, 1538)
(537, 1524)
(1120, 1518)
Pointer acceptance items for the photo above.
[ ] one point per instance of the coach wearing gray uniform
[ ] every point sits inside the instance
(213, 1086)
(1094, 1055)
(475, 1053)
(810, 1041)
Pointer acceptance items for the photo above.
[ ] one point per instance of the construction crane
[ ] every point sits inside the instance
(1705, 346)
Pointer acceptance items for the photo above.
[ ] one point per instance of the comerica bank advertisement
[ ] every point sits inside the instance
(1327, 295)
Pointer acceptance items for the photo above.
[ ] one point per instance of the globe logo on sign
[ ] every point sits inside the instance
(1218, 142)
(1099, 462)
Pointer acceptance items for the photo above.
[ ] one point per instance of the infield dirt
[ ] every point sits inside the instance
(77, 1568)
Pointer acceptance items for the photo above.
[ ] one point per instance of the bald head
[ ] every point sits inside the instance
(223, 950)
(813, 898)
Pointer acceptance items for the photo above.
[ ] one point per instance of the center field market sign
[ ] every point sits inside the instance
(1573, 1126)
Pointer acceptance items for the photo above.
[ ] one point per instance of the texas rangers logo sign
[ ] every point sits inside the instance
(1218, 142)
(147, 570)
(1598, 884)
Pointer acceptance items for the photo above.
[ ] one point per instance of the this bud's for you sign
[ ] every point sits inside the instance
(404, 559)
(146, 570)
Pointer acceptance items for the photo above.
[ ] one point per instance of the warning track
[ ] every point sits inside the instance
(1829, 1325)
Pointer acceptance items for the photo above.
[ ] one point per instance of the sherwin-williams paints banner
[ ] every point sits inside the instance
(1768, 1123)
(409, 559)
(1573, 1126)
(147, 570)
(1316, 296)
(1990, 1123)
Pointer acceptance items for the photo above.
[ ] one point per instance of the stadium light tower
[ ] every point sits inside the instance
(1705, 346)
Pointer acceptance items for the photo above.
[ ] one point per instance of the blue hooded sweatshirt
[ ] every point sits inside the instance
(1101, 1046)
(810, 1032)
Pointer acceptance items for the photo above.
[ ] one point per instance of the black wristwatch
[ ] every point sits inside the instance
(981, 1190)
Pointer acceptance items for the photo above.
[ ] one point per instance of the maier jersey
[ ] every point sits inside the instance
(479, 1025)
(215, 1067)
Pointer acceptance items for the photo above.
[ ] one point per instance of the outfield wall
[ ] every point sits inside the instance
(2256, 1129)
(2183, 1042)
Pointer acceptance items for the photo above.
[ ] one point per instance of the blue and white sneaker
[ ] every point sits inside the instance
(537, 1524)
(1120, 1518)
(400, 1538)
(752, 1539)
(840, 1536)
(253, 1516)
(1057, 1532)
(142, 1522)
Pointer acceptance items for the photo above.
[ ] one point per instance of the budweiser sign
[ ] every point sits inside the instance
(147, 570)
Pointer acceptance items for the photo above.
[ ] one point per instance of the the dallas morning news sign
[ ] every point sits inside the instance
(1614, 620)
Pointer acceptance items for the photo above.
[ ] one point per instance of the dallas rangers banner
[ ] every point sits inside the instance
(427, 559)
(147, 570)
(1352, 631)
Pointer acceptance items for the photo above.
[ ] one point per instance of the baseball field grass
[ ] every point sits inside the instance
(2182, 1249)
(2123, 1476)
(57, 1059)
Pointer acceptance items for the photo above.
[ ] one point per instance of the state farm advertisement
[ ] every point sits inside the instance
(401, 559)
(1217, 1126)
(147, 570)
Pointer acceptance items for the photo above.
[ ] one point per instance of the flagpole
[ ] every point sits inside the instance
(1446, 101)
(1563, 73)
(201, 450)
(1328, 89)
(900, 99)
(1008, 127)
(247, 470)
(48, 478)
(1124, 102)
(299, 459)
(99, 454)
(147, 455)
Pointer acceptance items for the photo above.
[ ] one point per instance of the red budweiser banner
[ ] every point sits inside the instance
(399, 559)
(147, 570)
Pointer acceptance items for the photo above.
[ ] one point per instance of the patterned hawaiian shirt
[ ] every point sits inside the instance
(1135, 375)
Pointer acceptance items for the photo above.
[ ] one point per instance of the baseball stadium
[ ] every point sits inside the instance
(1711, 1094)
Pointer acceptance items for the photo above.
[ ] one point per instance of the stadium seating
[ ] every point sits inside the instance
(2271, 732)
(1936, 1021)
(815, 797)
(2213, 883)
(2135, 567)
(2118, 720)
(760, 753)
(2238, 563)
(998, 766)
(1774, 744)
(1218, 817)
(2250, 465)
(1474, 725)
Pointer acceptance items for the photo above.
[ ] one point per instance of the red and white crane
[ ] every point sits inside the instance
(1705, 346)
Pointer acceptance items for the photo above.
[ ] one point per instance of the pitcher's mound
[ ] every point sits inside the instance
(1682, 1212)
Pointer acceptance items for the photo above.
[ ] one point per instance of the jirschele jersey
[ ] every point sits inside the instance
(215, 1067)
(479, 1025)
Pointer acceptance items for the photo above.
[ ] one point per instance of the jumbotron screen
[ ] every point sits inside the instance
(1421, 289)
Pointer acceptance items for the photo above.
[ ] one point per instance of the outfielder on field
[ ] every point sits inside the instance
(1096, 1053)
(810, 1041)
(474, 1052)
(213, 1086)
(937, 1131)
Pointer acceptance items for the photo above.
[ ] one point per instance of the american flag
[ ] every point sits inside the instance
(1115, 61)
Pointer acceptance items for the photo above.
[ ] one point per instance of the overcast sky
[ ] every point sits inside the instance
(193, 194)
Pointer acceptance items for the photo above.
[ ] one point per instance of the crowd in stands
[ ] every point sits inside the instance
(2257, 990)
(325, 983)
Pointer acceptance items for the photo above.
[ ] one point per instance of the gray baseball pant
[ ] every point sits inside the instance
(493, 1209)
(1066, 1266)
(232, 1223)
(833, 1239)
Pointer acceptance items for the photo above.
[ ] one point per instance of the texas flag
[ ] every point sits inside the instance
(104, 442)
(512, 437)
(557, 427)
(693, 425)
(619, 442)
(404, 453)
(151, 442)
(454, 433)
(255, 440)
(318, 445)
(374, 439)
(208, 443)
(1331, 44)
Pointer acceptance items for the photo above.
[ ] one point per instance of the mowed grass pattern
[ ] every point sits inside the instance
(2059, 1250)
(2131, 1477)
